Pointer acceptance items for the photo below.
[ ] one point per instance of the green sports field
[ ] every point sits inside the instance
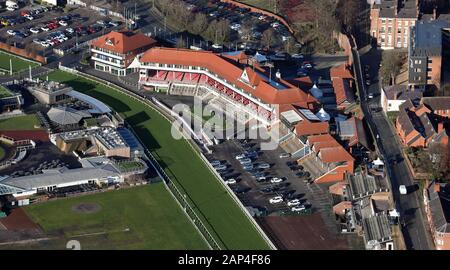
(134, 218)
(18, 64)
(225, 219)
(23, 122)
(4, 92)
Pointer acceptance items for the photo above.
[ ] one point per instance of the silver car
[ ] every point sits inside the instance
(264, 166)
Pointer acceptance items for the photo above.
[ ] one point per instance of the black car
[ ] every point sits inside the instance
(241, 190)
(300, 174)
(291, 163)
(267, 190)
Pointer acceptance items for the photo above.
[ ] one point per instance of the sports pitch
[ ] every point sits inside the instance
(135, 218)
(226, 221)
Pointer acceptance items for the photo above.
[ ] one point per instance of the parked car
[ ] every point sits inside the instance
(245, 161)
(241, 156)
(276, 180)
(11, 32)
(230, 181)
(63, 23)
(293, 202)
(297, 56)
(215, 162)
(220, 167)
(285, 155)
(263, 166)
(34, 30)
(276, 199)
(298, 208)
(248, 167)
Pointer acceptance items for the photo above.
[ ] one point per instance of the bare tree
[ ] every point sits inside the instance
(440, 153)
(391, 64)
(268, 38)
(347, 14)
(200, 24)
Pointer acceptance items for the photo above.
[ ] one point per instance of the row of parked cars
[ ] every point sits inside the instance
(24, 16)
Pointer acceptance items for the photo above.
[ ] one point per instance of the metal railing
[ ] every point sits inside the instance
(170, 185)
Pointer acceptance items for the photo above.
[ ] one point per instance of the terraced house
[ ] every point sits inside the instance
(420, 124)
(390, 21)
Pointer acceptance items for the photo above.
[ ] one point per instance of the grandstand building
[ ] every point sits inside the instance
(249, 88)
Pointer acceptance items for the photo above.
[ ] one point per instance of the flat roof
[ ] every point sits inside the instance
(291, 116)
(98, 106)
(60, 177)
(426, 38)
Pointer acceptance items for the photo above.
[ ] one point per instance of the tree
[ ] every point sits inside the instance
(289, 46)
(218, 31)
(347, 14)
(200, 24)
(268, 38)
(439, 154)
(391, 64)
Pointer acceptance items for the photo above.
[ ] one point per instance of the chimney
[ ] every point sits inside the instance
(440, 127)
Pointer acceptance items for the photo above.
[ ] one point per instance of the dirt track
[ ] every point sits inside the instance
(302, 233)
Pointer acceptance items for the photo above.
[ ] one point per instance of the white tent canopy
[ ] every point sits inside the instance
(260, 57)
(378, 162)
(323, 115)
(316, 92)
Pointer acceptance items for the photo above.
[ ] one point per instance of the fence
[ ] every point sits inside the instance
(180, 198)
(23, 53)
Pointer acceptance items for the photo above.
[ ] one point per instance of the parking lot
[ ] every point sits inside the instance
(41, 29)
(257, 192)
(246, 27)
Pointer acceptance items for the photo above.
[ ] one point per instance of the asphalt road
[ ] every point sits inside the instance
(415, 230)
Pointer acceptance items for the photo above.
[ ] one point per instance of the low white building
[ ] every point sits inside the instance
(52, 179)
(395, 95)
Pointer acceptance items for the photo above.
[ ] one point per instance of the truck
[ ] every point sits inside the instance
(11, 4)
(403, 190)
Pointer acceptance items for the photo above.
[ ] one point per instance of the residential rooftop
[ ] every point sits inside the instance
(426, 38)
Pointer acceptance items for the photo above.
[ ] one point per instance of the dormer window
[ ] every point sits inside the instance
(244, 77)
(109, 42)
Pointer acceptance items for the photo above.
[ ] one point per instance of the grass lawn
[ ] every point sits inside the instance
(129, 165)
(18, 64)
(226, 220)
(4, 92)
(268, 5)
(148, 212)
(23, 122)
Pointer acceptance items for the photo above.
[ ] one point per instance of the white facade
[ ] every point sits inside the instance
(390, 105)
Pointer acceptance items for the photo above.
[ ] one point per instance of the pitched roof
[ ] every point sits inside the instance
(401, 92)
(319, 138)
(440, 206)
(353, 130)
(123, 42)
(436, 103)
(342, 91)
(335, 154)
(416, 118)
(309, 128)
(66, 115)
(341, 71)
(270, 91)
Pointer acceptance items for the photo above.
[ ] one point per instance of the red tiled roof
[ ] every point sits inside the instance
(122, 42)
(341, 71)
(335, 154)
(325, 144)
(319, 138)
(230, 72)
(308, 128)
(342, 90)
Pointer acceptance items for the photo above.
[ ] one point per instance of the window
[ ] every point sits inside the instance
(382, 40)
(390, 20)
(389, 29)
(417, 62)
(440, 242)
(383, 20)
(417, 70)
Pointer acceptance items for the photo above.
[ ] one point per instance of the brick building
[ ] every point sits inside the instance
(390, 21)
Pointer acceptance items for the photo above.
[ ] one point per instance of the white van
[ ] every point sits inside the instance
(403, 190)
